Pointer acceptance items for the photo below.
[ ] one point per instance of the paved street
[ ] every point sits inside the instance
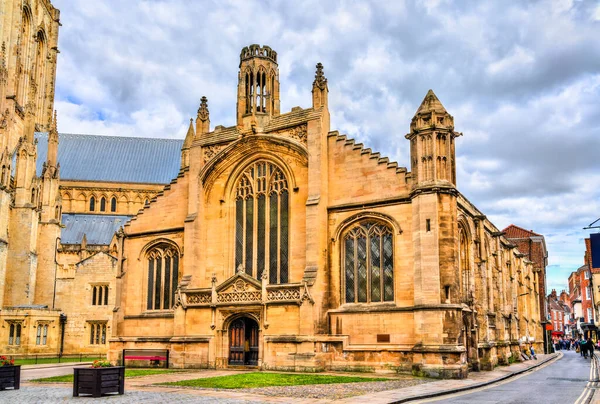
(561, 382)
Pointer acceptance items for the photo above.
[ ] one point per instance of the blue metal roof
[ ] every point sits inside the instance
(98, 229)
(113, 158)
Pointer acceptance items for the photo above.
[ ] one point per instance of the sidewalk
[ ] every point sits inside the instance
(442, 387)
(54, 365)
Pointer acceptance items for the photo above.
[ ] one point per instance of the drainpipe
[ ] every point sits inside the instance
(55, 269)
(63, 323)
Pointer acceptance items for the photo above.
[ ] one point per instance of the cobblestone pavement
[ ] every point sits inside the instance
(57, 394)
(337, 391)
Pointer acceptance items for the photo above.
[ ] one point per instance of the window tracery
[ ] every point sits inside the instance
(262, 222)
(163, 275)
(463, 262)
(368, 262)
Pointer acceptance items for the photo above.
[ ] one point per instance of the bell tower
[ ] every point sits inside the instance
(432, 151)
(258, 87)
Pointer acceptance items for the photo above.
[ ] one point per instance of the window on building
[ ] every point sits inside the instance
(100, 295)
(586, 275)
(103, 204)
(589, 315)
(97, 333)
(588, 293)
(368, 262)
(464, 263)
(261, 222)
(560, 316)
(41, 334)
(23, 61)
(163, 275)
(113, 204)
(92, 204)
(14, 335)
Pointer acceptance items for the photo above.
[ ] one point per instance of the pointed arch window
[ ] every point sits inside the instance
(262, 222)
(39, 70)
(463, 263)
(103, 204)
(163, 275)
(368, 262)
(92, 204)
(23, 55)
(113, 204)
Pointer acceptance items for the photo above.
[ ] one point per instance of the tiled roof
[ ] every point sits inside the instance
(98, 229)
(513, 231)
(114, 158)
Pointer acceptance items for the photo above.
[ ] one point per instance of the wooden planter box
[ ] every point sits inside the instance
(99, 381)
(10, 376)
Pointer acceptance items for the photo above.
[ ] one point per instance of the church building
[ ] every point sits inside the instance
(283, 244)
(276, 243)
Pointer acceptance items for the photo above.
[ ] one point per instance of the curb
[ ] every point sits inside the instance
(53, 365)
(477, 385)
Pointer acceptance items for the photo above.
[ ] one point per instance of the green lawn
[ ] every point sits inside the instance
(128, 374)
(259, 379)
(33, 361)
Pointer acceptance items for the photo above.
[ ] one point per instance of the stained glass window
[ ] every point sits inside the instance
(262, 222)
(368, 263)
(163, 273)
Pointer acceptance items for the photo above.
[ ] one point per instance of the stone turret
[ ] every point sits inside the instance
(432, 144)
(258, 87)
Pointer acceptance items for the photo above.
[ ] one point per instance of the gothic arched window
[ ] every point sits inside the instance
(24, 55)
(163, 275)
(463, 262)
(102, 204)
(368, 262)
(92, 204)
(39, 70)
(261, 222)
(113, 204)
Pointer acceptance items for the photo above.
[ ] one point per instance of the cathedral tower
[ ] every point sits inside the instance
(258, 87)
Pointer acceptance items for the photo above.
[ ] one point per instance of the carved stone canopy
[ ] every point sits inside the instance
(203, 112)
(320, 80)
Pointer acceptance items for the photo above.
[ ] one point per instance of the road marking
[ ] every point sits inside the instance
(588, 391)
(496, 384)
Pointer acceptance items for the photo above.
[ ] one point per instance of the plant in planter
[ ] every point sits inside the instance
(99, 379)
(10, 375)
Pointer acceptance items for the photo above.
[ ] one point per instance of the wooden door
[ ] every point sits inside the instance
(252, 338)
(237, 337)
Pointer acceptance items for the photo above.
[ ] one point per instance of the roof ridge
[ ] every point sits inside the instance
(88, 135)
(521, 228)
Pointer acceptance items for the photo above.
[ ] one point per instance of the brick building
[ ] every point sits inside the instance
(533, 245)
(580, 296)
(595, 278)
(559, 312)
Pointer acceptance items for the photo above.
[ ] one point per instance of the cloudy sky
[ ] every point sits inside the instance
(522, 80)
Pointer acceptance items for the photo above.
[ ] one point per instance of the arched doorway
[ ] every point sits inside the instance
(243, 342)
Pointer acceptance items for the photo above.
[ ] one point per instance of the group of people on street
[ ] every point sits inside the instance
(584, 346)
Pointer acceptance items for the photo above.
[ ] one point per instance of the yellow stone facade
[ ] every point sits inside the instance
(281, 244)
(40, 277)
(285, 245)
